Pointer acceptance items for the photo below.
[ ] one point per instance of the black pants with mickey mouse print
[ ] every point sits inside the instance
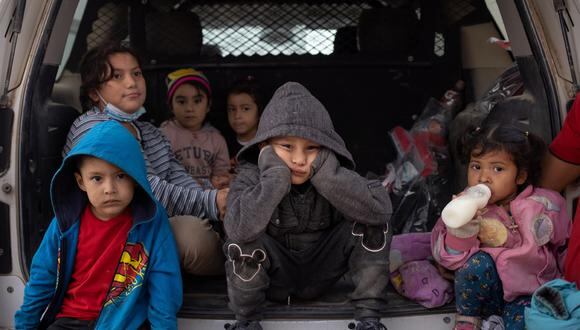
(265, 268)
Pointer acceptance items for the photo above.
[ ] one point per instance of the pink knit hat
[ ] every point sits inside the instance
(181, 76)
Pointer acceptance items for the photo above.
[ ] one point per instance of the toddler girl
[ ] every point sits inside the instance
(245, 106)
(196, 144)
(515, 243)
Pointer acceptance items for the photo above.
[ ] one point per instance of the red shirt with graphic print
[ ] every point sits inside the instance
(566, 146)
(99, 250)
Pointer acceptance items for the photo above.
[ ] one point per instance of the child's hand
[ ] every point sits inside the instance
(221, 201)
(233, 165)
(469, 229)
(455, 196)
(479, 214)
(445, 273)
(269, 159)
(220, 181)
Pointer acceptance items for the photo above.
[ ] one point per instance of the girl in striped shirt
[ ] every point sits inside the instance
(113, 88)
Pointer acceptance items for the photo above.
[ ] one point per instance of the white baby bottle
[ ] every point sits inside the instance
(463, 208)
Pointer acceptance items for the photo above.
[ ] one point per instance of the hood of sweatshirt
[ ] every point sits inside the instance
(113, 143)
(294, 111)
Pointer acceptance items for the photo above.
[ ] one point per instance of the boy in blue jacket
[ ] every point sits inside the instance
(108, 259)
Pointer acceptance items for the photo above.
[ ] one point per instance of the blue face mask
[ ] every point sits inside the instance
(119, 114)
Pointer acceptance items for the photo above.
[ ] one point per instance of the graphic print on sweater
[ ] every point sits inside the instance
(197, 161)
(130, 272)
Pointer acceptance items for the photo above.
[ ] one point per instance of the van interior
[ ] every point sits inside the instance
(375, 65)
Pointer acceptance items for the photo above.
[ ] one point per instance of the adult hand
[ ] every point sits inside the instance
(221, 201)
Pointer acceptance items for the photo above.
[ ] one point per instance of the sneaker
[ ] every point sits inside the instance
(245, 325)
(370, 325)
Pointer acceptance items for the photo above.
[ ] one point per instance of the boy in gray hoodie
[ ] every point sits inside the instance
(299, 217)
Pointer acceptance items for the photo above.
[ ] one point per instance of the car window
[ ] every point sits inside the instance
(274, 28)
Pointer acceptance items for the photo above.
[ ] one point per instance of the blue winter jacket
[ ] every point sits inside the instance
(152, 290)
(555, 306)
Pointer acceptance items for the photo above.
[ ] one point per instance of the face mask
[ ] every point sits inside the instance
(119, 114)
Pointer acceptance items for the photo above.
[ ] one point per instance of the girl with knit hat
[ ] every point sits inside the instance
(199, 146)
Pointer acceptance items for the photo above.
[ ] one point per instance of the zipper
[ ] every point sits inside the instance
(133, 226)
(513, 226)
(47, 314)
(112, 280)
(60, 276)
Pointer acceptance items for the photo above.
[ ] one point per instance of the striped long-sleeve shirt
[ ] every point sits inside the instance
(177, 191)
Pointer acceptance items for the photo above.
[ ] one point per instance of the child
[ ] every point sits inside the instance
(299, 217)
(244, 109)
(196, 144)
(108, 259)
(515, 244)
(113, 87)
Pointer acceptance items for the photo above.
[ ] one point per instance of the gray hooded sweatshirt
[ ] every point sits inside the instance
(262, 198)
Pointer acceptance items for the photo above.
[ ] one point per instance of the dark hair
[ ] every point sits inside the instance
(526, 149)
(248, 85)
(78, 162)
(95, 69)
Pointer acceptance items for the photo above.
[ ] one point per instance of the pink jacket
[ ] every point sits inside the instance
(533, 252)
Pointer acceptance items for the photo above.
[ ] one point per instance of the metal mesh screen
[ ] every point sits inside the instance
(279, 29)
(111, 24)
(439, 44)
(455, 10)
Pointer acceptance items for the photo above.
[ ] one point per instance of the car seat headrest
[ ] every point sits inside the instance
(172, 36)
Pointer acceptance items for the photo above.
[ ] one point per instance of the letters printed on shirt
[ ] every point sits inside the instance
(201, 168)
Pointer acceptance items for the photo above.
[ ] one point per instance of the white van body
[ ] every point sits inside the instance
(532, 27)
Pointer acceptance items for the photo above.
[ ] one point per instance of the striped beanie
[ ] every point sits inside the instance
(178, 77)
